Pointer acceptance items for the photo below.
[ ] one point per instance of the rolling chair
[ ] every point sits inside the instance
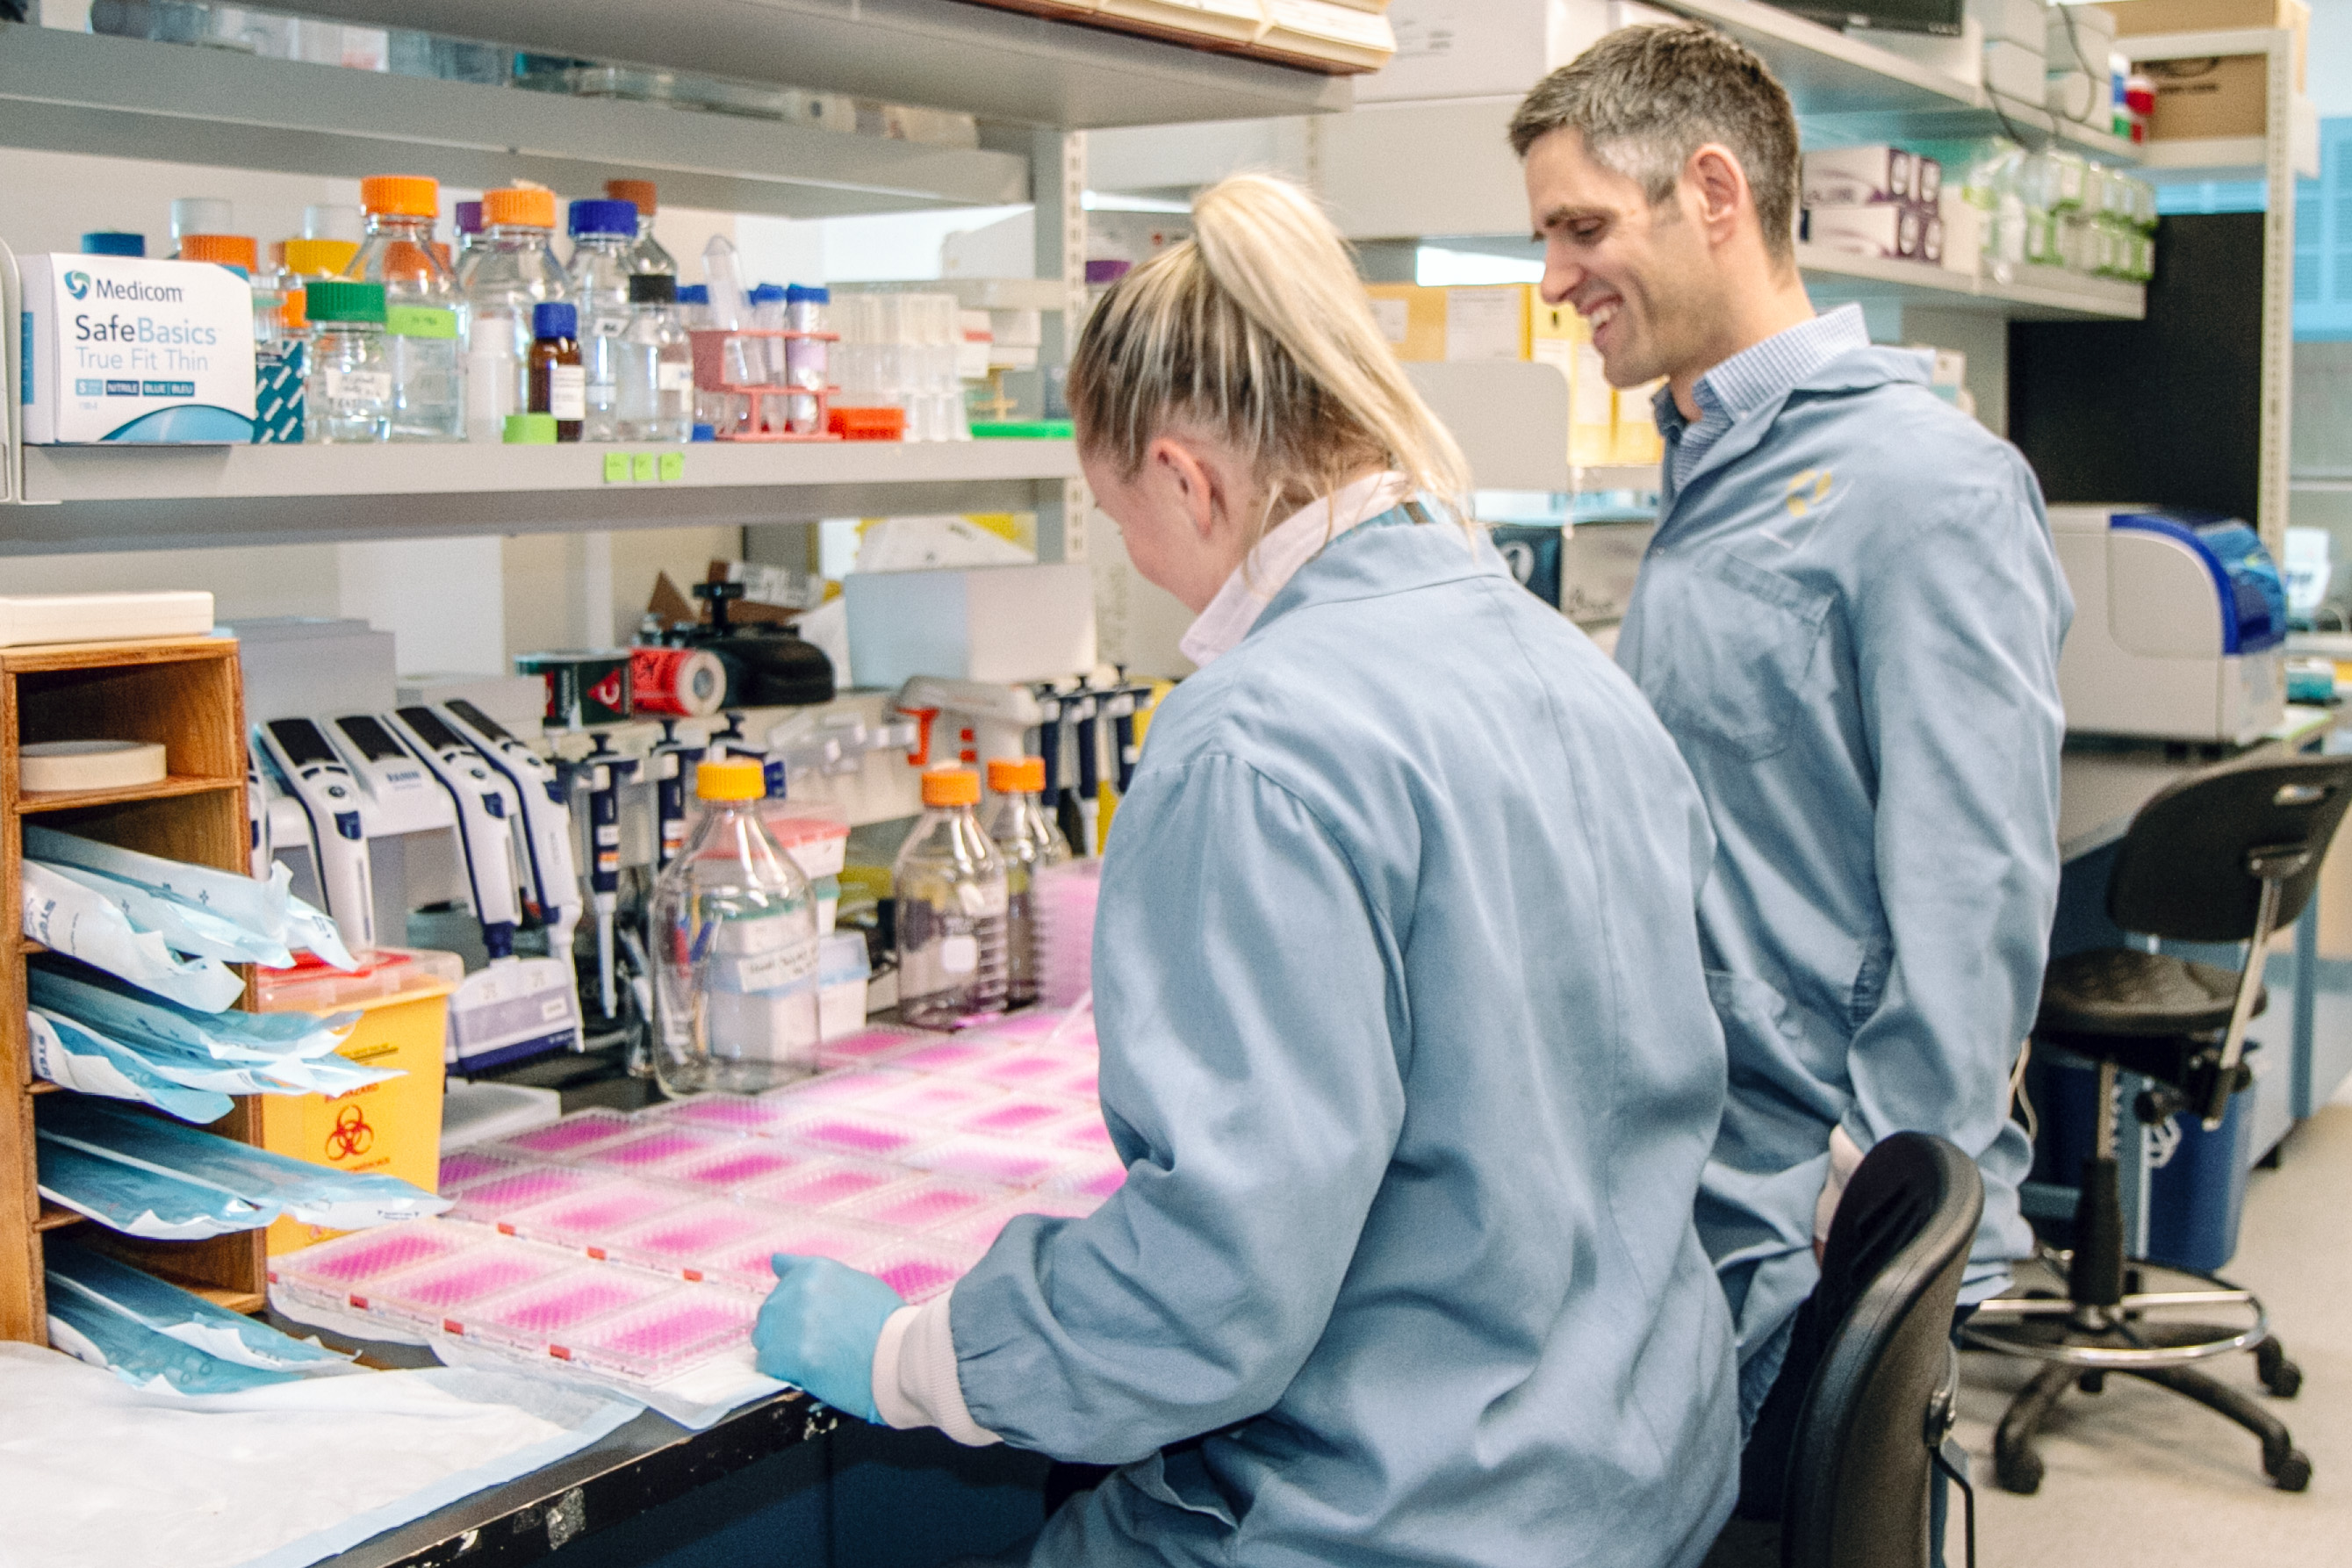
(2228, 855)
(1875, 1422)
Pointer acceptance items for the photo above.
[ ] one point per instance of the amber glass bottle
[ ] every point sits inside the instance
(559, 383)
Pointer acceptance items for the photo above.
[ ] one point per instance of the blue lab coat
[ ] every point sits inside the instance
(1849, 620)
(1405, 1040)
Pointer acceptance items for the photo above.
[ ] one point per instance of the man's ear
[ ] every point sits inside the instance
(1719, 186)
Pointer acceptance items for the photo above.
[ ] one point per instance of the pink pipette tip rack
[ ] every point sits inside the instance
(919, 1270)
(744, 1115)
(831, 1091)
(663, 1337)
(487, 1202)
(467, 1166)
(868, 1044)
(648, 1155)
(825, 1184)
(944, 1054)
(738, 1166)
(855, 1133)
(443, 1295)
(536, 1316)
(1003, 1160)
(1013, 1116)
(571, 1137)
(929, 1098)
(588, 1221)
(687, 1241)
(924, 1204)
(345, 1272)
(1093, 1176)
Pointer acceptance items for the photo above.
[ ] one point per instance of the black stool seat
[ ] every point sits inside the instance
(2123, 991)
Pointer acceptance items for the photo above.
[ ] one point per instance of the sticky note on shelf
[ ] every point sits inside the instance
(641, 467)
(673, 465)
(616, 467)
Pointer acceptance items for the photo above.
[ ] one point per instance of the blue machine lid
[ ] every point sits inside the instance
(2245, 579)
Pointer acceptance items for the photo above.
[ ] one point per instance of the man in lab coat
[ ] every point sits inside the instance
(1849, 620)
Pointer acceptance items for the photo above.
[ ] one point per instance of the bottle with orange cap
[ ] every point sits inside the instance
(733, 929)
(420, 321)
(1029, 842)
(510, 270)
(279, 365)
(648, 255)
(952, 906)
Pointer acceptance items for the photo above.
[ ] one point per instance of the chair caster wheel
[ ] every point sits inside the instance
(2021, 1472)
(2092, 1383)
(2280, 1376)
(2293, 1473)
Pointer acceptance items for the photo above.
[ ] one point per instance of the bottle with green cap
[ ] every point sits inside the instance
(733, 930)
(348, 394)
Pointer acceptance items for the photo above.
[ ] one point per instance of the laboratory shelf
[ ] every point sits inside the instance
(2036, 293)
(101, 497)
(937, 53)
(169, 787)
(128, 98)
(57, 1216)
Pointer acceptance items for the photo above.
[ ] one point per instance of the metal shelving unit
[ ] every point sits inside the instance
(2034, 293)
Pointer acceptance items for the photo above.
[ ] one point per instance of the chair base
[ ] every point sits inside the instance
(2138, 1338)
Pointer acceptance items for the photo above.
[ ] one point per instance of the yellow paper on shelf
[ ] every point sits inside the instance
(1411, 318)
(1240, 21)
(1488, 321)
(1558, 336)
(1637, 439)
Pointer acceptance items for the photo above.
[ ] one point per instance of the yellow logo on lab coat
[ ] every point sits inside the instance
(1807, 491)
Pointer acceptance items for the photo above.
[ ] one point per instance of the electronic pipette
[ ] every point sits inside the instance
(316, 779)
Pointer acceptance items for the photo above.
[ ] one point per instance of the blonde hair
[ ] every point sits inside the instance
(1258, 330)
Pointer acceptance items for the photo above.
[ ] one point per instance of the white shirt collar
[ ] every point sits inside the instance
(1288, 545)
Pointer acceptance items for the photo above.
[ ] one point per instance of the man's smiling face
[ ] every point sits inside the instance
(1638, 273)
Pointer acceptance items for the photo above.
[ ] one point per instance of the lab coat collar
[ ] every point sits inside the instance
(1286, 547)
(1856, 370)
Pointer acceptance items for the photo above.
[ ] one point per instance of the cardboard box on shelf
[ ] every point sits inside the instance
(392, 1128)
(2229, 96)
(2137, 18)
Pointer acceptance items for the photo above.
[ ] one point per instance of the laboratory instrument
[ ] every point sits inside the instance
(951, 887)
(315, 777)
(546, 839)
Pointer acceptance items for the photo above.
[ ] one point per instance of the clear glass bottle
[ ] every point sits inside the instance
(656, 401)
(509, 270)
(604, 233)
(428, 388)
(734, 939)
(951, 890)
(468, 221)
(647, 255)
(348, 396)
(1029, 842)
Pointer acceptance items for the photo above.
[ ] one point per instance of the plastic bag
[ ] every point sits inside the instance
(138, 1021)
(88, 1329)
(315, 1195)
(137, 1200)
(173, 1065)
(267, 909)
(73, 1058)
(184, 928)
(71, 918)
(185, 1316)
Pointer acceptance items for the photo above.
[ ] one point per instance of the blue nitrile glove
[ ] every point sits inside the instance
(818, 1328)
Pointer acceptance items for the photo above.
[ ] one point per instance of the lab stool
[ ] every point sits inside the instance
(2225, 857)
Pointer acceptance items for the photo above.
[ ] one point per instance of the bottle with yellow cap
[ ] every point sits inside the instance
(951, 903)
(420, 316)
(1029, 842)
(510, 270)
(734, 939)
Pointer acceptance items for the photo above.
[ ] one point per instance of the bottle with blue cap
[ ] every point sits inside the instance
(604, 235)
(559, 387)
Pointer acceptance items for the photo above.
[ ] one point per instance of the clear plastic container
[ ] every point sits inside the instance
(604, 233)
(878, 1044)
(592, 1219)
(746, 1265)
(654, 400)
(925, 1205)
(919, 1270)
(1095, 1176)
(1006, 1162)
(510, 270)
(1028, 840)
(953, 1055)
(647, 256)
(347, 391)
(441, 1295)
(581, 1130)
(493, 1201)
(1030, 1067)
(536, 1316)
(858, 1133)
(744, 1115)
(1083, 1130)
(1015, 1116)
(421, 307)
(829, 1236)
(950, 889)
(853, 1087)
(332, 1271)
(656, 1150)
(827, 1185)
(664, 1337)
(746, 1165)
(934, 1099)
(465, 1167)
(688, 1242)
(734, 933)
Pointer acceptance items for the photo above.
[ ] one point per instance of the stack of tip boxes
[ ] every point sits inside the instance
(1606, 424)
(637, 1247)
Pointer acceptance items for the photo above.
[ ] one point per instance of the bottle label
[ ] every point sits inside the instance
(981, 899)
(781, 969)
(420, 322)
(670, 376)
(959, 954)
(567, 392)
(366, 385)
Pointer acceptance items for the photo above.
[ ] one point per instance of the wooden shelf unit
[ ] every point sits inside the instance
(186, 694)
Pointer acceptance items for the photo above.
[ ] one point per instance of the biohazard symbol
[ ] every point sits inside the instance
(1807, 491)
(351, 1137)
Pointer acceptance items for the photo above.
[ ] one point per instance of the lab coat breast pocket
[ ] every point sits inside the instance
(1742, 650)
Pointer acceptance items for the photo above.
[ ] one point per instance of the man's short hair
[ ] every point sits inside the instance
(1645, 99)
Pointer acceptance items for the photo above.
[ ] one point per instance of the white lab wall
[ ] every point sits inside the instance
(581, 591)
(2330, 64)
(440, 599)
(245, 583)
